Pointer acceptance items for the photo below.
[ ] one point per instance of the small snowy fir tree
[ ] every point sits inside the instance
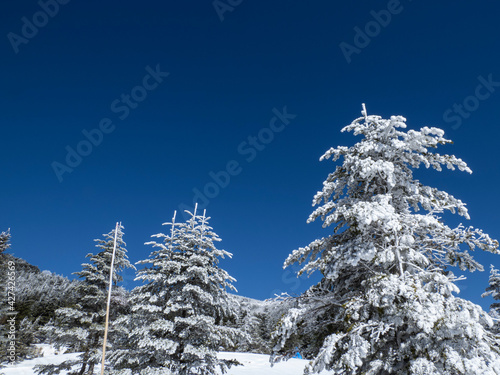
(178, 317)
(386, 303)
(493, 290)
(80, 328)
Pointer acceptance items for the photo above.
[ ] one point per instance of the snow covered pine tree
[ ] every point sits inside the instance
(80, 328)
(494, 290)
(385, 304)
(177, 323)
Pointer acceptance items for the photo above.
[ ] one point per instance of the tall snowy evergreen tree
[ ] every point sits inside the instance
(178, 317)
(386, 302)
(81, 327)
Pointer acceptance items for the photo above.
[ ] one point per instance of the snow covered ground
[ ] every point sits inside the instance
(253, 364)
(49, 356)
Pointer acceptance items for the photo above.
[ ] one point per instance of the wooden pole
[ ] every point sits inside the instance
(109, 298)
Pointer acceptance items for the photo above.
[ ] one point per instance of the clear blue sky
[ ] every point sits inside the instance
(68, 74)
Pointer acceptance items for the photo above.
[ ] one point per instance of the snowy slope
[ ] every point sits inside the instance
(253, 364)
